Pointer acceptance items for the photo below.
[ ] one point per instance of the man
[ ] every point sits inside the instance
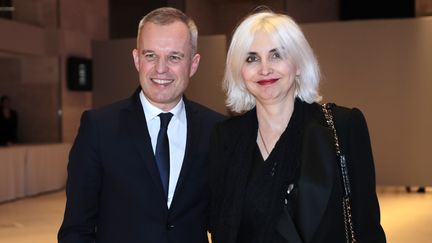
(118, 189)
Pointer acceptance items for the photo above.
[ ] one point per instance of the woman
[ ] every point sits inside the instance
(274, 170)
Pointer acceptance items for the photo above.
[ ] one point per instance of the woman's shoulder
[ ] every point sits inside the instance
(345, 118)
(350, 124)
(240, 121)
(237, 128)
(349, 116)
(340, 112)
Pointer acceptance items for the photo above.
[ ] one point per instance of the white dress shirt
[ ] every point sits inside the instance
(177, 132)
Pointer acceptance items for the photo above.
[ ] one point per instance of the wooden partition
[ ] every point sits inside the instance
(27, 170)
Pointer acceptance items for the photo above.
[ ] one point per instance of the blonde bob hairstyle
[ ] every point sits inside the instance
(285, 32)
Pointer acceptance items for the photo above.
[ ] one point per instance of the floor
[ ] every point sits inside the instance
(406, 217)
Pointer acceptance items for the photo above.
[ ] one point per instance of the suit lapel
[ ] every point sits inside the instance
(317, 178)
(136, 126)
(191, 139)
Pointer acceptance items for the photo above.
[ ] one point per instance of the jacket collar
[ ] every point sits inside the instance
(318, 174)
(136, 125)
(317, 177)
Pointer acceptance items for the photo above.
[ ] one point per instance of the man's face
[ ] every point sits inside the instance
(164, 62)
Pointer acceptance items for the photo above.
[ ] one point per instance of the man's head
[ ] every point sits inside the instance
(165, 16)
(166, 56)
(5, 101)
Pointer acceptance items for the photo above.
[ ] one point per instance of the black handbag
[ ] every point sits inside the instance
(346, 197)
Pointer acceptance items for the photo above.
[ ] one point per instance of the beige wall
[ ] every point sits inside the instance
(313, 11)
(114, 73)
(205, 86)
(29, 75)
(221, 16)
(384, 68)
(34, 48)
(203, 13)
(49, 31)
(82, 22)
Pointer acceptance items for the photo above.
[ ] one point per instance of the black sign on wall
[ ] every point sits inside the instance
(79, 74)
(6, 9)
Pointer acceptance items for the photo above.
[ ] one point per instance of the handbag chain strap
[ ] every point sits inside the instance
(346, 202)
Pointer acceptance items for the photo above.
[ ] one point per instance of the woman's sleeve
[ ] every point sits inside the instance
(366, 212)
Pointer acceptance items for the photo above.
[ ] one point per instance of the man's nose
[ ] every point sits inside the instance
(161, 65)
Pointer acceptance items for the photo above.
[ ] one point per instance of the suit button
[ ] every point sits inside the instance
(169, 226)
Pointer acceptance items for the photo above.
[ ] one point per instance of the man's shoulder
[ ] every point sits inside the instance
(109, 109)
(238, 125)
(247, 118)
(203, 111)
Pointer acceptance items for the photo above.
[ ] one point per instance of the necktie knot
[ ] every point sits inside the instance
(165, 118)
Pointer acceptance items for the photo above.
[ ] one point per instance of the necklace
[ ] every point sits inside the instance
(262, 140)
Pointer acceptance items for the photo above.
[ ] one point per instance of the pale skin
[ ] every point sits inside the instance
(270, 77)
(165, 62)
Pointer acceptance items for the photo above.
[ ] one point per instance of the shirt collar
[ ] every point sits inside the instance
(151, 111)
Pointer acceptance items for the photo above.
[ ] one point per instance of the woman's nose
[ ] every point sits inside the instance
(266, 69)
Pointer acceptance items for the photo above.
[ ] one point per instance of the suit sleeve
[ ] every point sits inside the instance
(216, 175)
(83, 186)
(366, 212)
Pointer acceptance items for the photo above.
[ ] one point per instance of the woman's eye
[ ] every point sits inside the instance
(276, 55)
(250, 59)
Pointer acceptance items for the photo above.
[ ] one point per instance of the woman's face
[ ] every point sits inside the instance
(268, 74)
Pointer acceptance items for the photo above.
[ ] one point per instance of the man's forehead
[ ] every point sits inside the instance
(175, 25)
(171, 52)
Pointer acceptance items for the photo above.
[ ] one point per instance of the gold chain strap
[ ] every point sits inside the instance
(346, 202)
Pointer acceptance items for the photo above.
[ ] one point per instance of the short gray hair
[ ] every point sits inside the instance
(287, 33)
(166, 16)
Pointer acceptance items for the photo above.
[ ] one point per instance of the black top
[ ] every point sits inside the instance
(256, 199)
(264, 197)
(247, 203)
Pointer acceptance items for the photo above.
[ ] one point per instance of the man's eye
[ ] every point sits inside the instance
(250, 59)
(150, 56)
(174, 58)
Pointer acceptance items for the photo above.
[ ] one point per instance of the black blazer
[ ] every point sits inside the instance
(114, 192)
(319, 215)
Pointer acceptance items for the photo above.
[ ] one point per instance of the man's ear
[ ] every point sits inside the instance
(135, 55)
(194, 64)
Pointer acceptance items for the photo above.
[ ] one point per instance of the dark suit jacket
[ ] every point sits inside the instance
(318, 206)
(114, 192)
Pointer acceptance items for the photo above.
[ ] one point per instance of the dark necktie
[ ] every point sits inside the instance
(162, 150)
